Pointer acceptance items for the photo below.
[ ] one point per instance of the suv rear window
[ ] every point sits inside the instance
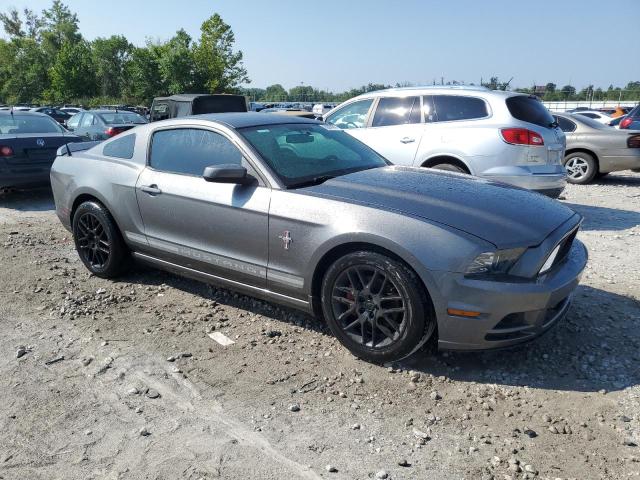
(529, 109)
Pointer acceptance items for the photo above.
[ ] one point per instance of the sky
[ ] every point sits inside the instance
(342, 44)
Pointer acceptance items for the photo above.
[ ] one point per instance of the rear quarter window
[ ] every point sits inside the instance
(121, 147)
(529, 109)
(455, 107)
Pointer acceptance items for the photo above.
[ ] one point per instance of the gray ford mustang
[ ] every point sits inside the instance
(300, 213)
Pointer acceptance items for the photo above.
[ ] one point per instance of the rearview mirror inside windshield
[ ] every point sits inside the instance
(299, 138)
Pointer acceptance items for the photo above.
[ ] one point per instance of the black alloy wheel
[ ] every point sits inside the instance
(376, 306)
(369, 306)
(98, 240)
(93, 241)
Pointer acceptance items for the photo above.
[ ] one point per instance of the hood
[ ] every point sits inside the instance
(501, 214)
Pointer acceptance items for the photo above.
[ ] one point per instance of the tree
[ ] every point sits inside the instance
(550, 88)
(23, 71)
(275, 93)
(72, 74)
(144, 81)
(110, 58)
(568, 92)
(59, 25)
(176, 63)
(12, 24)
(302, 93)
(218, 67)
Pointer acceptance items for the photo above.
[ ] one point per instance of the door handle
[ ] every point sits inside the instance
(151, 189)
(407, 140)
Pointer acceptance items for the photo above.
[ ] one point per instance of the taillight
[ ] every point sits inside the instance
(633, 141)
(626, 122)
(521, 136)
(6, 151)
(113, 131)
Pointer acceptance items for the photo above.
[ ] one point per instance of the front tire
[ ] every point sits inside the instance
(581, 168)
(98, 240)
(376, 307)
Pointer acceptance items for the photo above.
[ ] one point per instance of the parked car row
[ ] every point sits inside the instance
(315, 215)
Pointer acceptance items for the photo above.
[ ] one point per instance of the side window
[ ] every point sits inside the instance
(189, 151)
(87, 120)
(589, 115)
(121, 147)
(456, 107)
(353, 115)
(565, 124)
(397, 111)
(74, 121)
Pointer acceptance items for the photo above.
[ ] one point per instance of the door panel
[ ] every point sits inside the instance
(395, 129)
(217, 228)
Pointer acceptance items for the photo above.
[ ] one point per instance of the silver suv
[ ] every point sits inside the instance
(505, 136)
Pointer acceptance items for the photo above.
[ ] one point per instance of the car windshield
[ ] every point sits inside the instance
(122, 117)
(308, 154)
(28, 124)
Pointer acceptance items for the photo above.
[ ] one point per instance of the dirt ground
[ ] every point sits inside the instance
(120, 380)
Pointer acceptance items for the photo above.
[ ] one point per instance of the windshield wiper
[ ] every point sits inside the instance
(313, 181)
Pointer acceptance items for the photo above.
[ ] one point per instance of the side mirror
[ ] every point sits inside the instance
(229, 173)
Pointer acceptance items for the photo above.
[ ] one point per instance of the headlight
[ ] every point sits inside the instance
(491, 263)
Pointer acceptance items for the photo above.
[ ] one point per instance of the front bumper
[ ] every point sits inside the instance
(512, 313)
(547, 179)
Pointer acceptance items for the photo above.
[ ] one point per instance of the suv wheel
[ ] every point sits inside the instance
(98, 241)
(376, 307)
(581, 168)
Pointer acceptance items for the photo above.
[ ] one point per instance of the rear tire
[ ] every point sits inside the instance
(376, 307)
(581, 168)
(98, 241)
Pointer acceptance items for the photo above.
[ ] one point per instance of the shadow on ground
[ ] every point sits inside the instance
(606, 219)
(37, 200)
(596, 347)
(151, 277)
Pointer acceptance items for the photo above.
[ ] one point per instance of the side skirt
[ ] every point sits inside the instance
(258, 292)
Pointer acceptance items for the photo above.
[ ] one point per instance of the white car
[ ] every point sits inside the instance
(504, 136)
(594, 114)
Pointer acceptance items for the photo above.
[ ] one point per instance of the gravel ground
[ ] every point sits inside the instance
(121, 380)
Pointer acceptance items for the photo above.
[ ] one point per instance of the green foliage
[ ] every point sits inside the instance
(46, 59)
(110, 57)
(72, 74)
(218, 68)
(23, 71)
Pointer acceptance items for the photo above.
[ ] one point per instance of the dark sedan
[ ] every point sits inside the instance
(28, 144)
(103, 124)
(58, 115)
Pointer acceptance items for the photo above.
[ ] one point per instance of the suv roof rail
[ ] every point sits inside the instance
(437, 87)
